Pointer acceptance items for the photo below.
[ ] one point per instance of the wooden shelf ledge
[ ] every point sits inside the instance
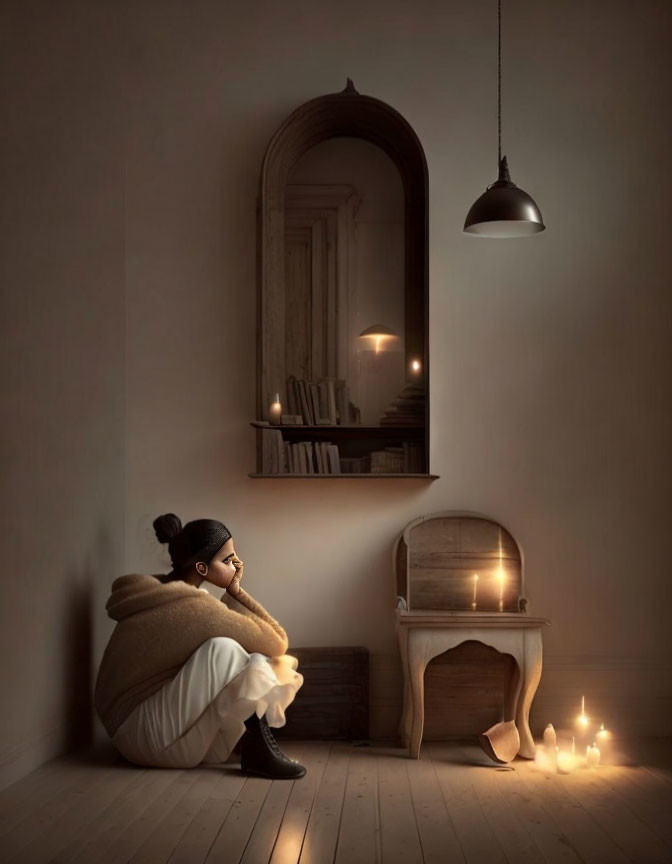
(402, 476)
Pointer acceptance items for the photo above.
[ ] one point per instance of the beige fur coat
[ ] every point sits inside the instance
(159, 626)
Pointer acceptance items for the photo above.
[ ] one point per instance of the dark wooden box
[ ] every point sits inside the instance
(333, 702)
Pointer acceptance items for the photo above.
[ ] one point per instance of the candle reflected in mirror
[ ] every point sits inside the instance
(473, 602)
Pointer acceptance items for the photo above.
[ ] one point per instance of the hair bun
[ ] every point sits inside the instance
(166, 527)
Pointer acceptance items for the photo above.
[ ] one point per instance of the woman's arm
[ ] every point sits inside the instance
(251, 607)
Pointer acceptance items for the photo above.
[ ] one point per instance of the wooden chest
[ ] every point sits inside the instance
(333, 702)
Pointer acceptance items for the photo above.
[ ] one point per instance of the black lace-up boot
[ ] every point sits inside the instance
(260, 754)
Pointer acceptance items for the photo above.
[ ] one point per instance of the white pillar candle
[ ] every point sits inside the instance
(603, 734)
(592, 756)
(550, 738)
(275, 410)
(565, 762)
(543, 758)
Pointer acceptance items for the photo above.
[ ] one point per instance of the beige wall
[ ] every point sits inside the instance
(550, 356)
(62, 350)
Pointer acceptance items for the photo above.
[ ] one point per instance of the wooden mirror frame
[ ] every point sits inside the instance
(350, 114)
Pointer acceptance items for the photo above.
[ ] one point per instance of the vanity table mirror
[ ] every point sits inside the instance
(343, 359)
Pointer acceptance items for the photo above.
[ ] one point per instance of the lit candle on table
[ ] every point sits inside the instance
(275, 410)
(473, 602)
(500, 574)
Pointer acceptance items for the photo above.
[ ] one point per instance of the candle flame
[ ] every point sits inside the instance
(582, 718)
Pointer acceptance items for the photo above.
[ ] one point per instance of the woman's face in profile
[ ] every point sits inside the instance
(221, 570)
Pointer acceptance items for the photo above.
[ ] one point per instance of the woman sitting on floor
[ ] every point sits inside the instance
(184, 676)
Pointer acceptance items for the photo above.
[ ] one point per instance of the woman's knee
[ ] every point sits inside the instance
(224, 646)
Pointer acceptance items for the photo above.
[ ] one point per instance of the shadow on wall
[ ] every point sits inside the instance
(79, 656)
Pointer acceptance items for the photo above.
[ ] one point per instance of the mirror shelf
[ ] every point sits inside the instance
(342, 253)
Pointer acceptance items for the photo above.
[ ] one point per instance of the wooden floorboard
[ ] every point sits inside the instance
(355, 805)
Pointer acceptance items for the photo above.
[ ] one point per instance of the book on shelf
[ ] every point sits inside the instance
(334, 461)
(414, 457)
(309, 456)
(291, 395)
(354, 464)
(389, 460)
(322, 403)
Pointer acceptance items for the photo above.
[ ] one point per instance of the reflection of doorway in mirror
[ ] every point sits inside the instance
(344, 269)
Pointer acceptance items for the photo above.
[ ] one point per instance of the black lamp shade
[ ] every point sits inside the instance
(504, 210)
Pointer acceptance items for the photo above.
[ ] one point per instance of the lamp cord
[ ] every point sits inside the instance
(499, 81)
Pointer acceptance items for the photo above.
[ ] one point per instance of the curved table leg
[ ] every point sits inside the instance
(417, 684)
(531, 677)
(406, 722)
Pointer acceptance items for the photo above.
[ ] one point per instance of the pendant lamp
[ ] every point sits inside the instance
(503, 210)
(377, 338)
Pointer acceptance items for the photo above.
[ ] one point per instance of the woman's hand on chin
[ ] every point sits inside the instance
(233, 587)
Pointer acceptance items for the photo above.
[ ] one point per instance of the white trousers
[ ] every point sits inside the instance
(198, 715)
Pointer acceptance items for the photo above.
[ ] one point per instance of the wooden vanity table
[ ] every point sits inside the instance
(445, 565)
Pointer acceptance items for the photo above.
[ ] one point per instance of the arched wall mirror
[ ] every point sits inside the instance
(343, 294)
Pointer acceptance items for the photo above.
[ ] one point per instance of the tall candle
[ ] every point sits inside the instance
(592, 756)
(473, 602)
(275, 410)
(502, 578)
(500, 574)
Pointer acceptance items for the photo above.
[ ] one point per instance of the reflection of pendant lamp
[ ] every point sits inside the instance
(503, 210)
(377, 338)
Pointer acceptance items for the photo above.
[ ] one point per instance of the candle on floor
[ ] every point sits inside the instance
(582, 719)
(550, 738)
(603, 734)
(565, 762)
(473, 602)
(542, 759)
(592, 756)
(275, 410)
(604, 741)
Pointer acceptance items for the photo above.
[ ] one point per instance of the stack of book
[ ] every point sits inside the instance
(408, 409)
(302, 457)
(405, 458)
(355, 464)
(326, 403)
(389, 460)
